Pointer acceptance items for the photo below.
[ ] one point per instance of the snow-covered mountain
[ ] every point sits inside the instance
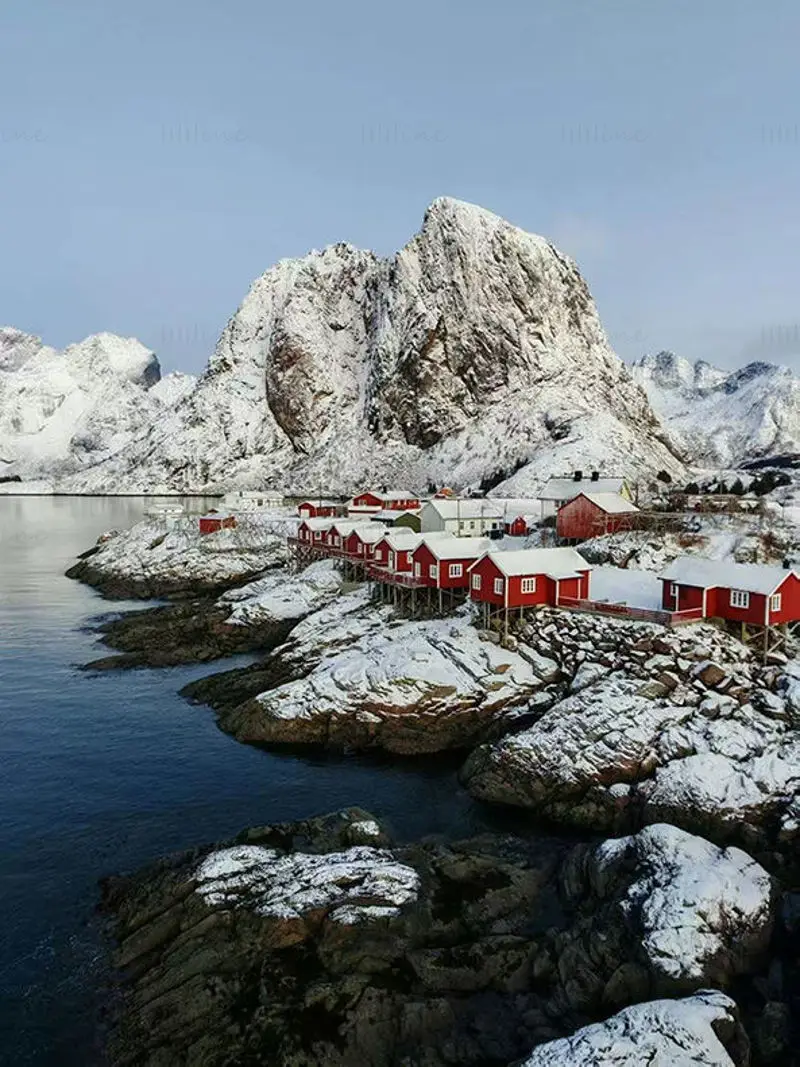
(61, 412)
(476, 349)
(721, 417)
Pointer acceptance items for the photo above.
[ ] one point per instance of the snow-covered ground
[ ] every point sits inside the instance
(282, 595)
(636, 588)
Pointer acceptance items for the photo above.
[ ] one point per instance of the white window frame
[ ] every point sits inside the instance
(391, 560)
(476, 581)
(775, 602)
(433, 571)
(673, 590)
(498, 587)
(456, 570)
(359, 548)
(528, 585)
(417, 570)
(739, 598)
(318, 535)
(336, 540)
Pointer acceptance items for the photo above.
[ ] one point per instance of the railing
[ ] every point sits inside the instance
(607, 607)
(404, 578)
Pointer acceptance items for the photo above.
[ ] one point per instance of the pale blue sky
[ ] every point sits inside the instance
(156, 157)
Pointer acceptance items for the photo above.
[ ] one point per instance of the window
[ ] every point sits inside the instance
(528, 585)
(673, 590)
(433, 571)
(417, 570)
(775, 602)
(391, 560)
(456, 570)
(472, 524)
(317, 535)
(359, 548)
(739, 598)
(476, 581)
(498, 586)
(336, 540)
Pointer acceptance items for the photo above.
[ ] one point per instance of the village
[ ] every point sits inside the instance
(510, 557)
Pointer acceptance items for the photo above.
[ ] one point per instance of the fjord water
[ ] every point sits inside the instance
(103, 773)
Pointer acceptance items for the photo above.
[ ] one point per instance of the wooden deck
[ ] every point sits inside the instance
(626, 611)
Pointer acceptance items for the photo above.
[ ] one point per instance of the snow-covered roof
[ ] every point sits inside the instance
(712, 573)
(397, 494)
(343, 527)
(457, 547)
(567, 488)
(552, 562)
(514, 506)
(610, 503)
(393, 514)
(319, 503)
(317, 524)
(467, 509)
(370, 534)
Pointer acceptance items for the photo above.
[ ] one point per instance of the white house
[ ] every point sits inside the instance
(253, 499)
(463, 518)
(560, 491)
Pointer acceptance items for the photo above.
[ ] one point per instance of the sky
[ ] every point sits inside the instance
(157, 157)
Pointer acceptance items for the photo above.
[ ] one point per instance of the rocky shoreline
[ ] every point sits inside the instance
(322, 942)
(325, 942)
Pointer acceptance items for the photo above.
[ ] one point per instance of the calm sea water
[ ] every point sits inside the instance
(102, 773)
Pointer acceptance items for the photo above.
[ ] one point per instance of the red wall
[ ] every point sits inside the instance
(718, 605)
(546, 590)
(367, 500)
(207, 526)
(314, 511)
(575, 521)
(409, 503)
(423, 555)
(517, 528)
(790, 601)
(689, 596)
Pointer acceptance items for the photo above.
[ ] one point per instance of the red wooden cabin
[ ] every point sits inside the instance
(592, 515)
(528, 577)
(444, 562)
(212, 523)
(318, 509)
(314, 531)
(393, 550)
(737, 592)
(369, 502)
(361, 541)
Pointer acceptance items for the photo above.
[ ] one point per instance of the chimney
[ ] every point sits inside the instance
(577, 476)
(595, 476)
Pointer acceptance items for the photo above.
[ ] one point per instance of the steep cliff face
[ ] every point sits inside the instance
(476, 349)
(721, 417)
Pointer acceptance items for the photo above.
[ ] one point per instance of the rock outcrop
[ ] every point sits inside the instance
(403, 687)
(321, 942)
(475, 351)
(678, 725)
(703, 1030)
(153, 559)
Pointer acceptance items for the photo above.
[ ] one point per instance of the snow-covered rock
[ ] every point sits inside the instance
(62, 412)
(700, 912)
(476, 349)
(698, 1031)
(282, 596)
(623, 750)
(360, 884)
(401, 686)
(153, 558)
(723, 418)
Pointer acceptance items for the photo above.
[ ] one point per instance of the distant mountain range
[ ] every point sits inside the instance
(723, 418)
(473, 355)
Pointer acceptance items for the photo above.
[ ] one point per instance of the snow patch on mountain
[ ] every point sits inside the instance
(723, 418)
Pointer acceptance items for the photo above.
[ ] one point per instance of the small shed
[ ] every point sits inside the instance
(361, 541)
(524, 578)
(318, 509)
(214, 522)
(393, 550)
(592, 515)
(314, 531)
(520, 525)
(558, 491)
